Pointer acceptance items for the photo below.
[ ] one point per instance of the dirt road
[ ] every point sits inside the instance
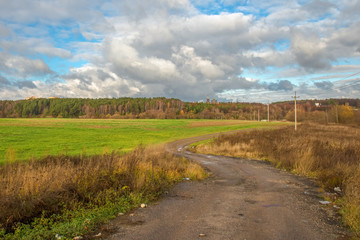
(243, 199)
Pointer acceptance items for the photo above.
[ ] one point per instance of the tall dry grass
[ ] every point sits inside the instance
(57, 183)
(330, 153)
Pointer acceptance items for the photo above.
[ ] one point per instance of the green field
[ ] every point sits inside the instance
(22, 139)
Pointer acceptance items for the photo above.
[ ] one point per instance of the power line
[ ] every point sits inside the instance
(352, 84)
(351, 75)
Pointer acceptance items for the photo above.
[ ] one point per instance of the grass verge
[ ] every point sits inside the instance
(68, 196)
(331, 154)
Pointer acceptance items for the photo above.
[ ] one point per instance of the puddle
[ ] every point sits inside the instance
(206, 162)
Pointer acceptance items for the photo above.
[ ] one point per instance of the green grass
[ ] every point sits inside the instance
(33, 138)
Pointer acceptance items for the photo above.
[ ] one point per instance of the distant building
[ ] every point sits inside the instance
(317, 104)
(207, 100)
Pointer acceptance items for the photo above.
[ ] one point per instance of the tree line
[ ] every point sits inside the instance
(324, 111)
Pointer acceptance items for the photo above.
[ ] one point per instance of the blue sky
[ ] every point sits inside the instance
(233, 50)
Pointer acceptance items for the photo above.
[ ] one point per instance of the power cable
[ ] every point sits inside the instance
(351, 84)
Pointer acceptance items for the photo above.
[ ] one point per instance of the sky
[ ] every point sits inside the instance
(231, 50)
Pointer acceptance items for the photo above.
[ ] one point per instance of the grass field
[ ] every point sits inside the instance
(68, 196)
(22, 139)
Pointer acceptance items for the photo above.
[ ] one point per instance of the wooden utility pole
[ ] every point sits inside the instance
(327, 118)
(295, 110)
(337, 114)
(268, 111)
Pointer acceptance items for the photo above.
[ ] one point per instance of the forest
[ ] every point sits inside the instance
(322, 111)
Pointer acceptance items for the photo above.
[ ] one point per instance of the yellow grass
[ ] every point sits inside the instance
(29, 189)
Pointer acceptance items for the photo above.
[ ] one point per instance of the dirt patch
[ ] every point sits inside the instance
(216, 123)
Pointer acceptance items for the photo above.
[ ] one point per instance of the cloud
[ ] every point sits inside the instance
(189, 62)
(53, 12)
(101, 82)
(326, 85)
(319, 8)
(139, 10)
(282, 85)
(5, 31)
(25, 84)
(4, 81)
(309, 50)
(177, 48)
(126, 61)
(345, 42)
(23, 67)
(53, 52)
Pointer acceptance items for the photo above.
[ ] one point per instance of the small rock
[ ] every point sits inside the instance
(98, 235)
(324, 202)
(121, 214)
(337, 189)
(186, 179)
(143, 205)
(202, 235)
(58, 237)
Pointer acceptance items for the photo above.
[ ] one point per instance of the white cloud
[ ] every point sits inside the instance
(23, 67)
(125, 60)
(53, 52)
(188, 61)
(310, 51)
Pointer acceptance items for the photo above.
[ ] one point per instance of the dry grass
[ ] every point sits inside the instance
(331, 154)
(53, 184)
(211, 123)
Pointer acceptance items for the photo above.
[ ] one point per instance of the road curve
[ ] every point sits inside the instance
(242, 199)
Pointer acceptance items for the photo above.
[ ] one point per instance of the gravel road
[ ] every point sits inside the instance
(242, 199)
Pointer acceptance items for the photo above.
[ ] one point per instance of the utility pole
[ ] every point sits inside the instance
(327, 118)
(337, 114)
(268, 111)
(258, 115)
(295, 110)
